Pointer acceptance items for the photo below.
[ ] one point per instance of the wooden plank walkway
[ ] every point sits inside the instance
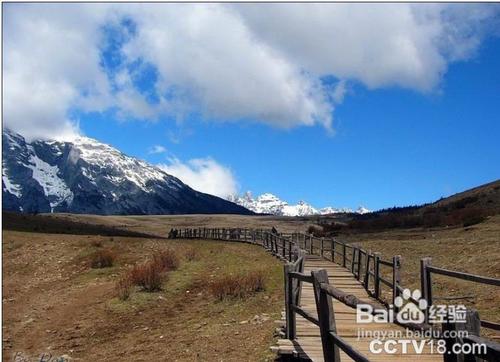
(308, 341)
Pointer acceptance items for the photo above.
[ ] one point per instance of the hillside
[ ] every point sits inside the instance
(463, 209)
(86, 176)
(486, 196)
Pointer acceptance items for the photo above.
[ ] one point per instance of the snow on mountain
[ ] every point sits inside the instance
(120, 168)
(53, 186)
(268, 203)
(362, 210)
(11, 187)
(86, 176)
(301, 209)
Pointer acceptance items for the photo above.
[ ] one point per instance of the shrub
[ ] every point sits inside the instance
(102, 259)
(191, 254)
(166, 260)
(238, 286)
(254, 282)
(149, 276)
(96, 243)
(473, 220)
(315, 230)
(124, 287)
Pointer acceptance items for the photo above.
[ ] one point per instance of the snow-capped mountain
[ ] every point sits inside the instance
(362, 210)
(264, 204)
(86, 176)
(270, 204)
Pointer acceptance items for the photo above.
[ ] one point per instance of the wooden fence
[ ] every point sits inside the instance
(366, 267)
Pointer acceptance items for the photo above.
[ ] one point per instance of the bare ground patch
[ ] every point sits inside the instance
(54, 302)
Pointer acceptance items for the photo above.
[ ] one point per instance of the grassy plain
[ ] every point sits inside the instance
(54, 302)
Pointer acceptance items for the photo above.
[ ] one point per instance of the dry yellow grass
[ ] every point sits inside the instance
(474, 250)
(54, 302)
(41, 279)
(161, 224)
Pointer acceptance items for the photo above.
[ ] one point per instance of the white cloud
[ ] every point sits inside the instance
(156, 149)
(407, 45)
(258, 62)
(52, 65)
(339, 92)
(50, 58)
(213, 63)
(203, 174)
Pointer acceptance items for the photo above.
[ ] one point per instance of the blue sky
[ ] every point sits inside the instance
(398, 134)
(390, 147)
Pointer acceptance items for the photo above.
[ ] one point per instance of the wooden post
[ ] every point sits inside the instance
(332, 248)
(344, 264)
(426, 283)
(366, 281)
(299, 267)
(289, 302)
(473, 327)
(376, 272)
(353, 259)
(396, 279)
(326, 316)
(311, 244)
(359, 264)
(283, 246)
(322, 246)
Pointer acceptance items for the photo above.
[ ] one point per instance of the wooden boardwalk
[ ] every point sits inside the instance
(308, 341)
(338, 320)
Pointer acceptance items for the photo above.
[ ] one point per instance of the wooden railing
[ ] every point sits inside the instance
(364, 265)
(426, 271)
(331, 342)
(278, 245)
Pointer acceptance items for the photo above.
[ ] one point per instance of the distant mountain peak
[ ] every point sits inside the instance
(87, 176)
(268, 203)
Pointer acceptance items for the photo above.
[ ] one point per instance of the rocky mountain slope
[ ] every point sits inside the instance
(270, 204)
(86, 176)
